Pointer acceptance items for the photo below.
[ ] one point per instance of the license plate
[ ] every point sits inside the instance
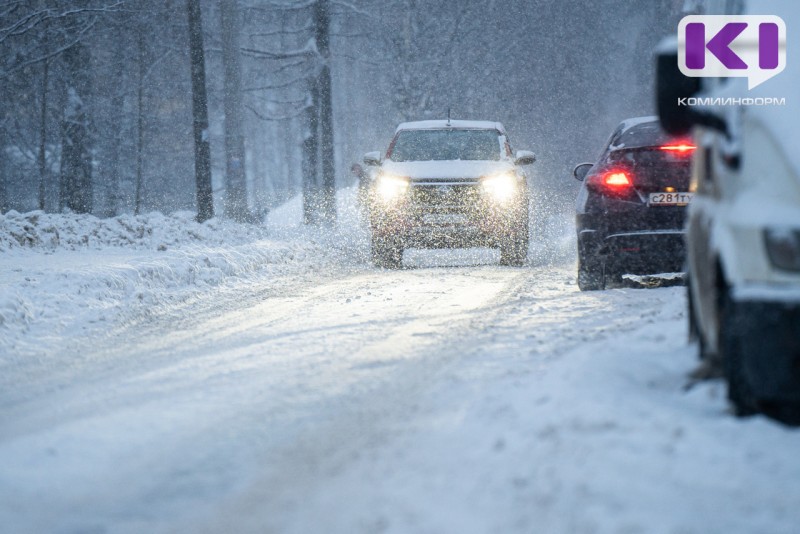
(444, 218)
(670, 199)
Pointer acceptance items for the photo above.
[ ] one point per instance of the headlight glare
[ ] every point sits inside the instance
(390, 187)
(783, 248)
(501, 187)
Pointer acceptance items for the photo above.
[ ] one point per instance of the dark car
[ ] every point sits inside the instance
(449, 184)
(632, 205)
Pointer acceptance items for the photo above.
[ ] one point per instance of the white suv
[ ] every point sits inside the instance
(743, 227)
(447, 184)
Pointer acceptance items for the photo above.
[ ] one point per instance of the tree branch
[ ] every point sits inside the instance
(353, 8)
(309, 50)
(53, 54)
(276, 118)
(264, 5)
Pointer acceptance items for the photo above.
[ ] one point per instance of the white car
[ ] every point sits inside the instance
(449, 184)
(743, 226)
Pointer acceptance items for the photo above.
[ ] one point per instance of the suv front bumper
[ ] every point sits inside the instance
(462, 217)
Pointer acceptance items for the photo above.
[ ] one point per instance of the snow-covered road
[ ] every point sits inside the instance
(208, 391)
(453, 396)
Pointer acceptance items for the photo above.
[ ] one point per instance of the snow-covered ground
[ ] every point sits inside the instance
(66, 273)
(157, 375)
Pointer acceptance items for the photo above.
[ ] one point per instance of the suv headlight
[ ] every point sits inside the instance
(783, 248)
(501, 187)
(390, 187)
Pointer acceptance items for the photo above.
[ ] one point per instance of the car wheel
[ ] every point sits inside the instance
(590, 274)
(514, 248)
(739, 391)
(387, 253)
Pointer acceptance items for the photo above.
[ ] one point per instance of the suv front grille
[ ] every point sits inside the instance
(445, 198)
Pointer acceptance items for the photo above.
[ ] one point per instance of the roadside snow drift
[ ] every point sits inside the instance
(67, 274)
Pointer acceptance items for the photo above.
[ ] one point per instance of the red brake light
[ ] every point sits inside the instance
(616, 179)
(614, 182)
(681, 148)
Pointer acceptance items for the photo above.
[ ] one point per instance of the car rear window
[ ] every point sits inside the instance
(641, 135)
(647, 156)
(446, 145)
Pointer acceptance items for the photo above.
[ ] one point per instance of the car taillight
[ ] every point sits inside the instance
(611, 180)
(679, 148)
(615, 181)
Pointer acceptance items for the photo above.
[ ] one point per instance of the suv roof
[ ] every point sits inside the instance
(443, 124)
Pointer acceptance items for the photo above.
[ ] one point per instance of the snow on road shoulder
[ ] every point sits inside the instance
(349, 237)
(64, 275)
(50, 232)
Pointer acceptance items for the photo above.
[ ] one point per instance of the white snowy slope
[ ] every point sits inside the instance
(271, 381)
(61, 275)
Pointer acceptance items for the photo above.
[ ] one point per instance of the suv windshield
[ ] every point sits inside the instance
(438, 145)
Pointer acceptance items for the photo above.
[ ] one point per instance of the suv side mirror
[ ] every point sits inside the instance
(524, 157)
(671, 87)
(581, 171)
(372, 159)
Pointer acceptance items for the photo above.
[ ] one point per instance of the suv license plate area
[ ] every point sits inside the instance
(670, 199)
(444, 219)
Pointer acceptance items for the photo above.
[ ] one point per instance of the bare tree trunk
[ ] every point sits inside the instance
(5, 101)
(3, 172)
(319, 177)
(236, 180)
(42, 158)
(286, 183)
(310, 161)
(202, 148)
(114, 178)
(325, 126)
(76, 157)
(327, 156)
(406, 93)
(137, 196)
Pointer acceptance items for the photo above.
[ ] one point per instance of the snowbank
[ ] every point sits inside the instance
(68, 273)
(51, 231)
